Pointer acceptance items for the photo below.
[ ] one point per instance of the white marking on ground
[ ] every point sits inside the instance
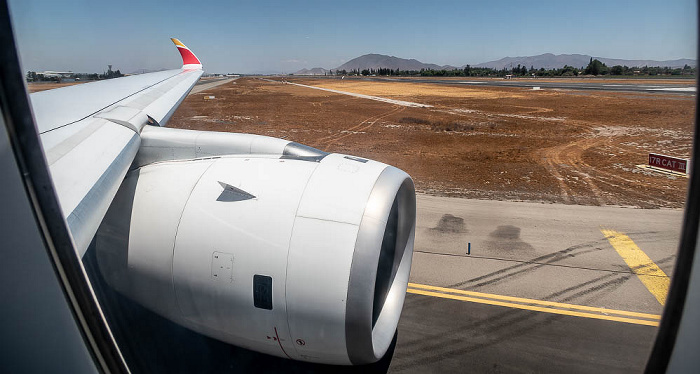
(467, 111)
(521, 116)
(377, 98)
(677, 89)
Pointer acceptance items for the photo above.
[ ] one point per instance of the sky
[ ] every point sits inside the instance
(285, 36)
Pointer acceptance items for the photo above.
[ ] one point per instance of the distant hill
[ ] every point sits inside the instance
(314, 71)
(547, 61)
(639, 63)
(552, 61)
(376, 61)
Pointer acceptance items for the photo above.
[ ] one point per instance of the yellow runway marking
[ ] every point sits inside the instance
(655, 280)
(538, 302)
(535, 305)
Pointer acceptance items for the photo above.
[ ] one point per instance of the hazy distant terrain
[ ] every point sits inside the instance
(551, 61)
(547, 61)
(314, 71)
(376, 61)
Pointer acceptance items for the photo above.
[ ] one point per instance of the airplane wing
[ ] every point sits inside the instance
(91, 133)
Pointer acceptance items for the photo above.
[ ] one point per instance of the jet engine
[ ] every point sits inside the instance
(291, 251)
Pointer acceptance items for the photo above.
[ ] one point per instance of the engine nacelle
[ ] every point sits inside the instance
(300, 258)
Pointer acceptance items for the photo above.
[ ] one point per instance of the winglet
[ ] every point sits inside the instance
(189, 60)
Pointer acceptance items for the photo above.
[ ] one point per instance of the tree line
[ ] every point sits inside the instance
(595, 68)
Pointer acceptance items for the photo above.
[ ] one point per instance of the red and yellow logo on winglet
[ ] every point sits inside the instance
(189, 60)
(178, 43)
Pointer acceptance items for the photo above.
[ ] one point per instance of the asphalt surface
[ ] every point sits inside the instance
(547, 252)
(207, 84)
(593, 84)
(543, 252)
(445, 336)
(554, 247)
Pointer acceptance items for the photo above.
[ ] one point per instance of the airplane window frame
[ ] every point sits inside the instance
(16, 108)
(27, 148)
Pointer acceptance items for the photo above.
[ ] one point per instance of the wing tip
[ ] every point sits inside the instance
(189, 60)
(177, 42)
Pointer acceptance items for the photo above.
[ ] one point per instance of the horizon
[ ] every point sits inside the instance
(266, 37)
(141, 71)
(508, 57)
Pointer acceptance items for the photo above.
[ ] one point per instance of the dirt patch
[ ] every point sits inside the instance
(505, 240)
(479, 142)
(450, 224)
(43, 86)
(398, 89)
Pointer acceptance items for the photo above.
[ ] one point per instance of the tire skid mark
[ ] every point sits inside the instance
(524, 268)
(496, 329)
(599, 286)
(417, 353)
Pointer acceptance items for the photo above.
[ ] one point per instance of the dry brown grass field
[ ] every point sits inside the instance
(580, 79)
(43, 86)
(573, 147)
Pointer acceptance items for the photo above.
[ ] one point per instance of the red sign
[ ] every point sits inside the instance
(669, 163)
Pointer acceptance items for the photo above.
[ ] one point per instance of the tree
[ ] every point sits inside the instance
(596, 67)
(616, 70)
(468, 70)
(568, 71)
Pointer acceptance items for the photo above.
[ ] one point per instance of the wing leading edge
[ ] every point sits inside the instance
(91, 133)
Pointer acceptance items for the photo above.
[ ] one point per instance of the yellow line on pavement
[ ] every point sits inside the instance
(537, 302)
(533, 308)
(655, 280)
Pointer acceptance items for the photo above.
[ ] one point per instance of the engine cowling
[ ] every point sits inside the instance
(304, 258)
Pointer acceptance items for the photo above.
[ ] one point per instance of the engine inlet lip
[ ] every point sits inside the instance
(366, 341)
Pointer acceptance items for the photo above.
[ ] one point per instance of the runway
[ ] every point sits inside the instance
(543, 289)
(590, 84)
(548, 254)
(207, 84)
(594, 86)
(438, 336)
(535, 250)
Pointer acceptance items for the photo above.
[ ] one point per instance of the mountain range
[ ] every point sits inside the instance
(547, 61)
(552, 61)
(314, 71)
(376, 61)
